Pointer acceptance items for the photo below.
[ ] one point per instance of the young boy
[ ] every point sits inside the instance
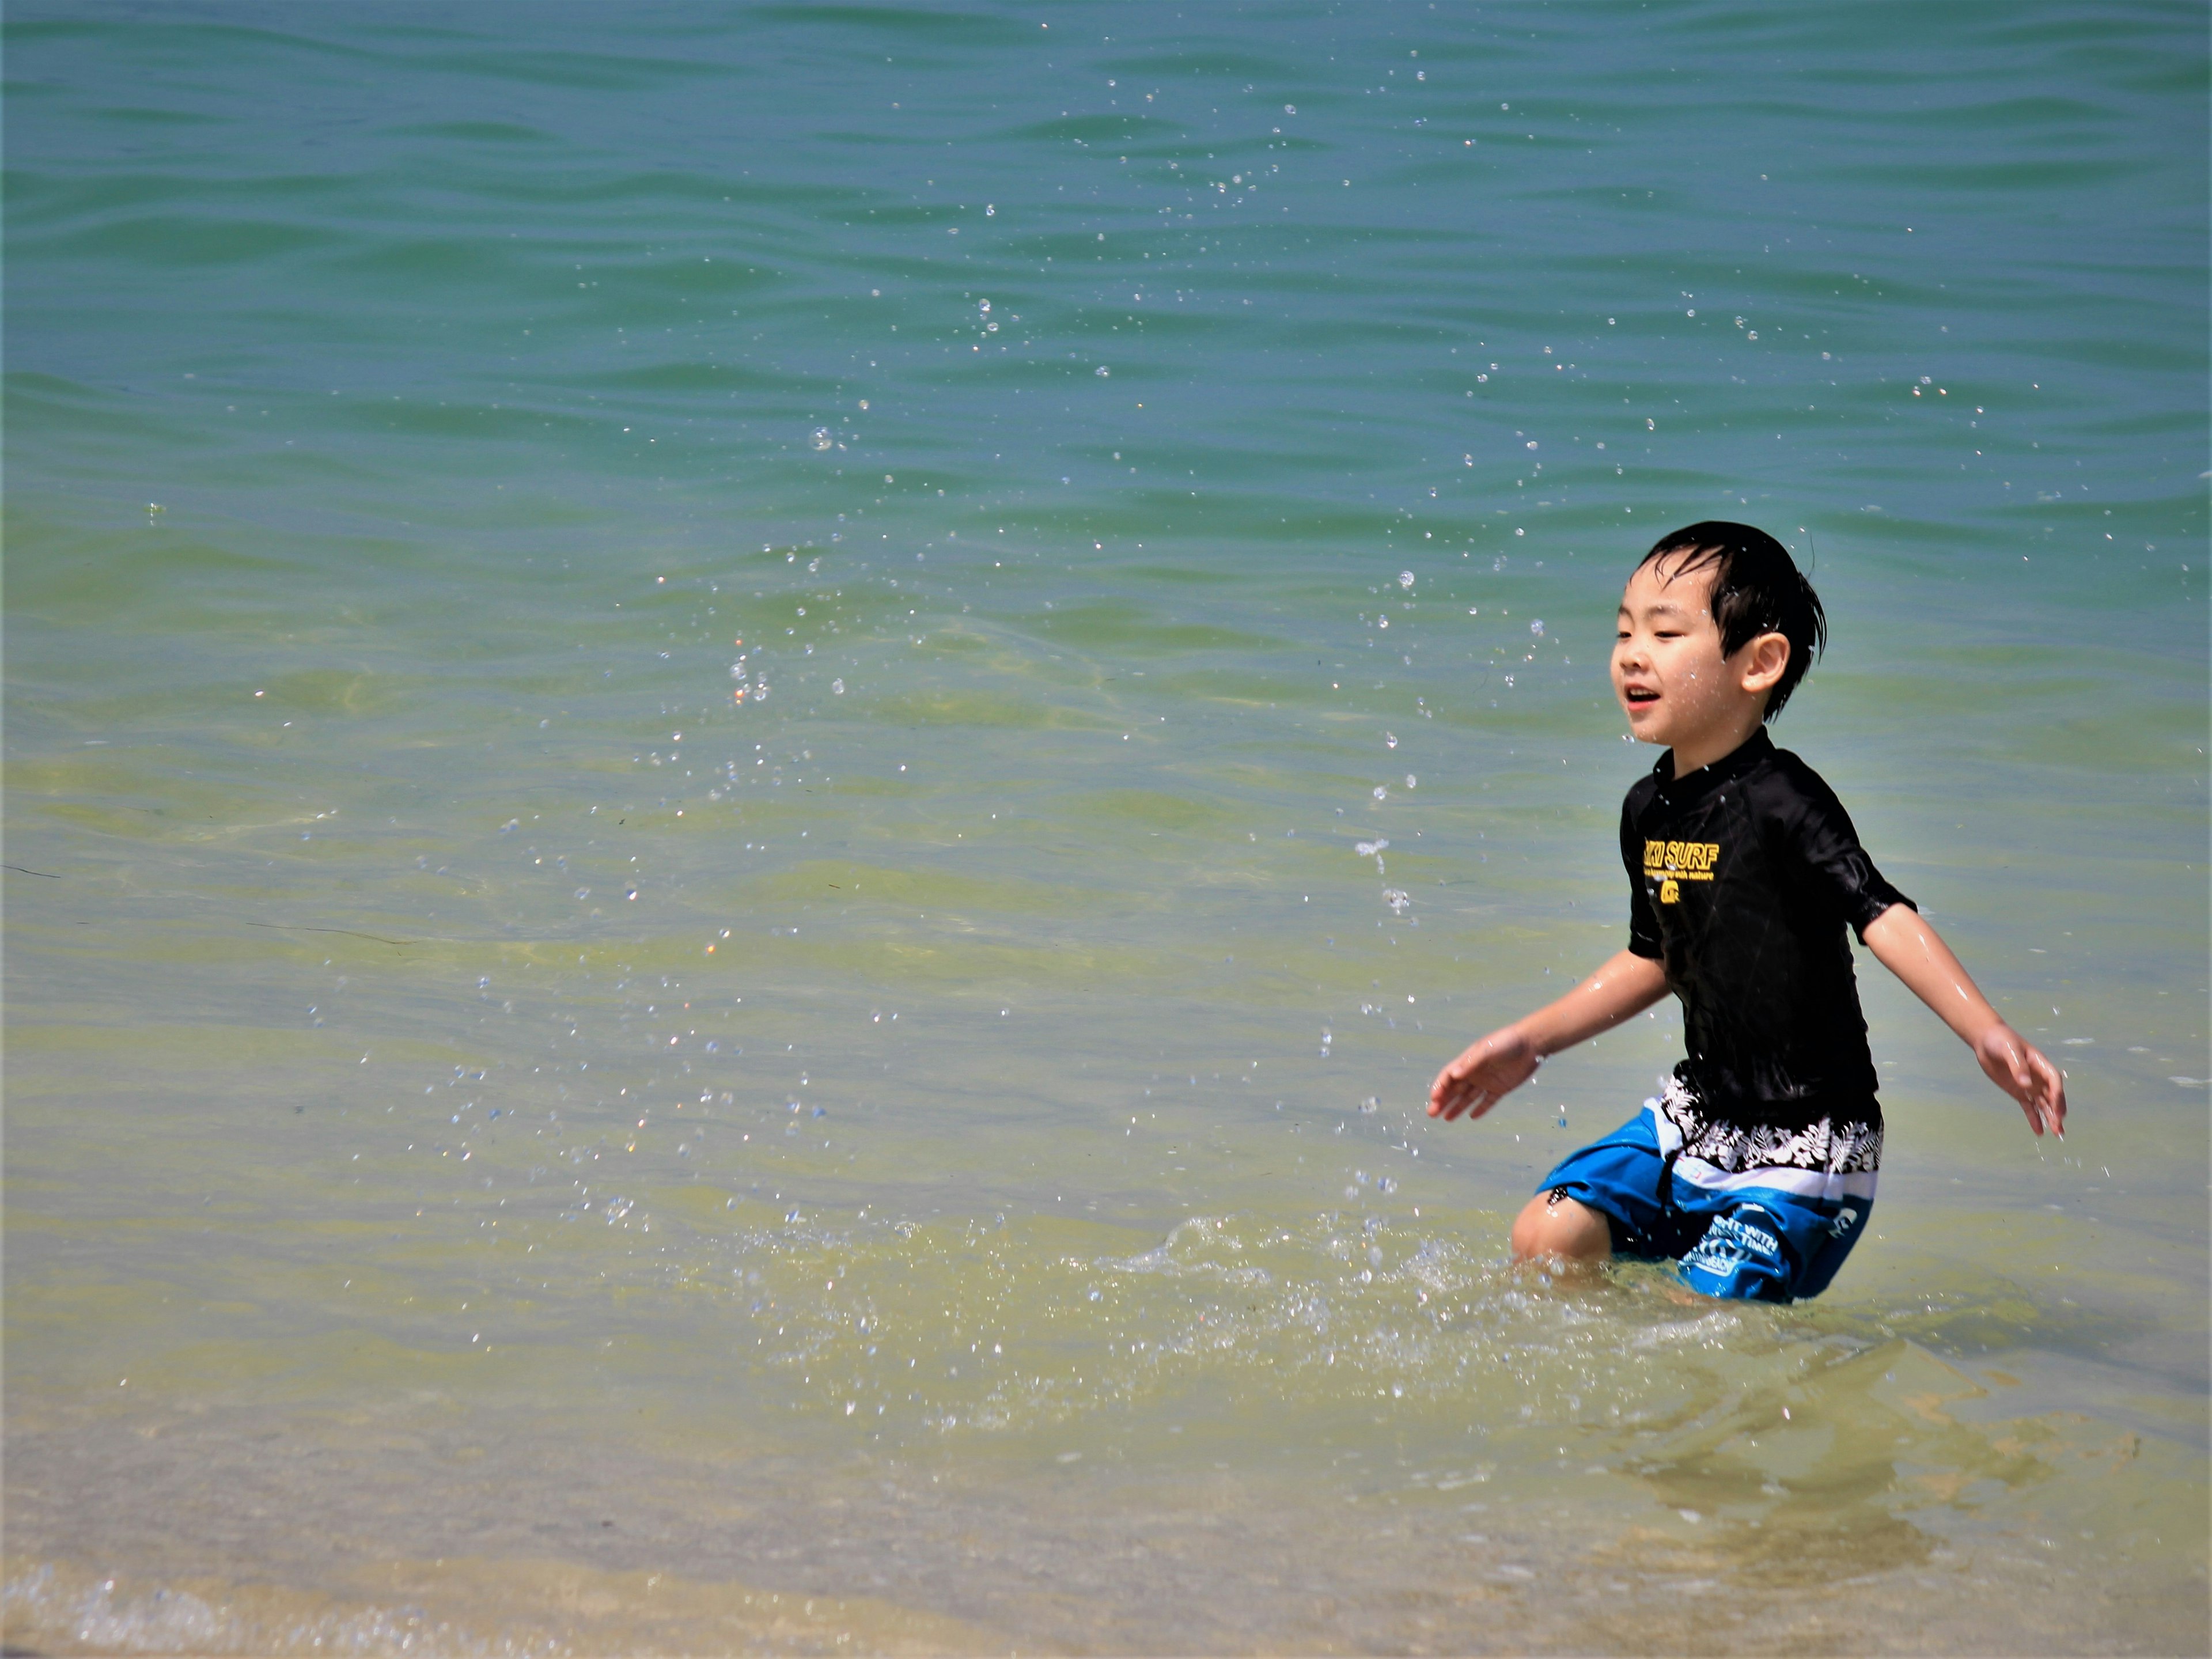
(1755, 1167)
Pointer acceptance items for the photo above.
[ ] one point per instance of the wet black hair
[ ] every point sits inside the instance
(1756, 589)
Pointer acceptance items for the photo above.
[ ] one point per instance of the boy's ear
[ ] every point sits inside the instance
(1765, 657)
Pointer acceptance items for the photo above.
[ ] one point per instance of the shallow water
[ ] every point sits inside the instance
(513, 1146)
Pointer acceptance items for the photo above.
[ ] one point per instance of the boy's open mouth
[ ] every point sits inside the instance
(1640, 694)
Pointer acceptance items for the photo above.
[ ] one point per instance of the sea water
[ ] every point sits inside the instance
(754, 755)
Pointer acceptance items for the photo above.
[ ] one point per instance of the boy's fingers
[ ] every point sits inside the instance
(2041, 1113)
(2053, 1092)
(1455, 1094)
(2020, 1077)
(2029, 1091)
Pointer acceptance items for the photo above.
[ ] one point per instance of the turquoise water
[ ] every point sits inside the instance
(511, 1145)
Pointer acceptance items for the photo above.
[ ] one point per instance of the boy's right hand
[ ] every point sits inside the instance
(1489, 1070)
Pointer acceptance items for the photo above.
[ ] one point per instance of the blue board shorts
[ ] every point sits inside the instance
(1737, 1228)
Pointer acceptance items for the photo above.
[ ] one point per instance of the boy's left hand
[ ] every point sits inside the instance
(1906, 944)
(2019, 1069)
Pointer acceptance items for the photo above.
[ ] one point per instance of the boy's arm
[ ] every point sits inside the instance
(1501, 1062)
(1904, 944)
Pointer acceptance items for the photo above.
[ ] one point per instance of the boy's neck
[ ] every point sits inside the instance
(1696, 757)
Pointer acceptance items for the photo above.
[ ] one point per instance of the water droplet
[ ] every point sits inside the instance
(837, 686)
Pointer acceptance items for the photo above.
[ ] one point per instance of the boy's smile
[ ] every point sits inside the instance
(1672, 681)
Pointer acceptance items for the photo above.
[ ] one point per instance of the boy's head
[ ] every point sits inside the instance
(1717, 626)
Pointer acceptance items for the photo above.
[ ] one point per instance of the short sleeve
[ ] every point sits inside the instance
(1832, 866)
(1642, 921)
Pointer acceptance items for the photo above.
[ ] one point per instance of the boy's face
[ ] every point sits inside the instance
(1668, 673)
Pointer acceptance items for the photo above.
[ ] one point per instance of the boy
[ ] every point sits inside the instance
(1755, 1168)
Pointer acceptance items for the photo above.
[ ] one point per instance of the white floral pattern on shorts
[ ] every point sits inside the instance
(1824, 1145)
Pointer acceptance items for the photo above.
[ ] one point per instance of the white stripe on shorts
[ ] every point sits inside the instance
(1804, 1184)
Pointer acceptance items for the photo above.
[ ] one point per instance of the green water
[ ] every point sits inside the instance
(512, 1146)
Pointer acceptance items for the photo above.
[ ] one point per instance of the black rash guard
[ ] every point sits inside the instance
(1742, 877)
